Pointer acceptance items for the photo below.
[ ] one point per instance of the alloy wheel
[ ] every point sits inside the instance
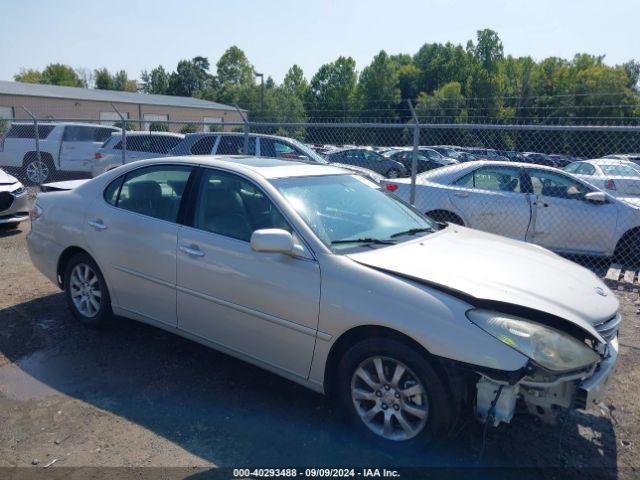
(37, 171)
(85, 290)
(389, 398)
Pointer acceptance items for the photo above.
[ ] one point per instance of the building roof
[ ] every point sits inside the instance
(75, 93)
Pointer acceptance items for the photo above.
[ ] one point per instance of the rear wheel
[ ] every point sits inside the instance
(391, 393)
(38, 171)
(86, 291)
(628, 249)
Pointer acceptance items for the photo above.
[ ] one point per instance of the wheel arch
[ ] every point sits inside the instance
(63, 260)
(441, 214)
(33, 155)
(363, 332)
(620, 245)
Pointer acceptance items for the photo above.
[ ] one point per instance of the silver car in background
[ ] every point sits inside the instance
(140, 145)
(321, 276)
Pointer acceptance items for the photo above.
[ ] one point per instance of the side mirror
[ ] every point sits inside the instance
(272, 240)
(596, 197)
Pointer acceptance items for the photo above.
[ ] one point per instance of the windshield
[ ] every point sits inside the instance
(342, 208)
(313, 156)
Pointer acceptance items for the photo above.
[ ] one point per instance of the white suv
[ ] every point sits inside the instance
(64, 146)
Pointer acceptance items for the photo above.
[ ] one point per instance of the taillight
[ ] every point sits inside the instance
(610, 185)
(391, 187)
(35, 212)
(98, 155)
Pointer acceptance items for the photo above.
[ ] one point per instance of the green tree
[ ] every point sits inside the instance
(191, 77)
(234, 68)
(295, 83)
(378, 88)
(53, 74)
(332, 89)
(156, 81)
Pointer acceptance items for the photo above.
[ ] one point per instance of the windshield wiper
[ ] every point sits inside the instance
(378, 241)
(413, 231)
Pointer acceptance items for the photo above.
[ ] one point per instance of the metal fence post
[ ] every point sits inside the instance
(246, 128)
(36, 135)
(123, 122)
(414, 154)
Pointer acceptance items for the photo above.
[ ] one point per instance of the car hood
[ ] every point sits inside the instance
(6, 178)
(491, 268)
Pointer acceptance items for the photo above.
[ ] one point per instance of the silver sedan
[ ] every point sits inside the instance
(321, 276)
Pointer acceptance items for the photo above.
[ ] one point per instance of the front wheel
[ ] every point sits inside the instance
(86, 291)
(392, 394)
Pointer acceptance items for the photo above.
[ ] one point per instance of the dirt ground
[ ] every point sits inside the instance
(137, 396)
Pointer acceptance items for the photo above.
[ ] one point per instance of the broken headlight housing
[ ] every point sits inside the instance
(550, 348)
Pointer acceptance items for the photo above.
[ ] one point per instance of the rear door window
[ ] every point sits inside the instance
(278, 149)
(234, 145)
(79, 134)
(203, 146)
(154, 191)
(497, 179)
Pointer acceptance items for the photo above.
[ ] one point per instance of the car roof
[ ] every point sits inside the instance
(66, 124)
(266, 167)
(137, 133)
(239, 134)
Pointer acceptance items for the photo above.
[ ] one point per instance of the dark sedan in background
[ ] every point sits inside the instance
(367, 158)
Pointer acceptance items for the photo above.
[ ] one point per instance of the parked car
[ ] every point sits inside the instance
(486, 154)
(320, 276)
(228, 143)
(426, 160)
(140, 145)
(14, 201)
(64, 146)
(448, 151)
(366, 158)
(539, 159)
(631, 157)
(542, 205)
(616, 177)
(561, 161)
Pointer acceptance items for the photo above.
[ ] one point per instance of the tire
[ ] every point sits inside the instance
(80, 287)
(392, 173)
(443, 216)
(627, 250)
(38, 172)
(429, 415)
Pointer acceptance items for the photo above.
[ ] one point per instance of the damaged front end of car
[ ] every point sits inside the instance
(564, 371)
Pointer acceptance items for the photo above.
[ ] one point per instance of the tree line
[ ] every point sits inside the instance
(446, 83)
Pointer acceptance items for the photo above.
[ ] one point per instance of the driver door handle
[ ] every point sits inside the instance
(97, 224)
(192, 250)
(461, 194)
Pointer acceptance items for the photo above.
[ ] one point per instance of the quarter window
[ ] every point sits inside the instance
(154, 191)
(274, 148)
(234, 207)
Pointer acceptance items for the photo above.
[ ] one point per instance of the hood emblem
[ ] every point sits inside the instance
(600, 291)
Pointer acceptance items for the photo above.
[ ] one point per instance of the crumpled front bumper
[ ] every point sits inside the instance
(546, 399)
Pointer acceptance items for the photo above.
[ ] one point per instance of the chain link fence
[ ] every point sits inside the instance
(535, 183)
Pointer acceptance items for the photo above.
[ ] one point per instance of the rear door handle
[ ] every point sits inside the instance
(192, 250)
(97, 224)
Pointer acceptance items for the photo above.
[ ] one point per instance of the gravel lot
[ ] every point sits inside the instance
(137, 396)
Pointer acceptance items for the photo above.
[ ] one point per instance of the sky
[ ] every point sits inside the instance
(135, 34)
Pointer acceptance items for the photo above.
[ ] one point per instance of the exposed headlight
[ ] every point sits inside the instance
(546, 346)
(19, 191)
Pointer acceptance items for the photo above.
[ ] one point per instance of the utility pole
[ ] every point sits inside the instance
(261, 75)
